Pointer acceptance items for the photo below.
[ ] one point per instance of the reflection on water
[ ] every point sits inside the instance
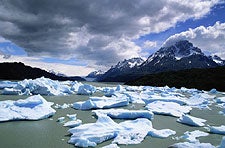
(48, 133)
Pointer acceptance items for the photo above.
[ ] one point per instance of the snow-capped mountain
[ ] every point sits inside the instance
(57, 73)
(181, 55)
(178, 56)
(128, 64)
(218, 60)
(121, 68)
(95, 74)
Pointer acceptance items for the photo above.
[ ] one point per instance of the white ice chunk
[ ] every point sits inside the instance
(111, 146)
(61, 119)
(165, 98)
(125, 113)
(163, 133)
(75, 86)
(191, 136)
(192, 145)
(216, 129)
(43, 86)
(190, 120)
(11, 91)
(133, 132)
(127, 132)
(168, 108)
(198, 100)
(7, 84)
(136, 97)
(73, 123)
(32, 108)
(86, 90)
(222, 144)
(72, 116)
(102, 102)
(64, 106)
(220, 100)
(93, 133)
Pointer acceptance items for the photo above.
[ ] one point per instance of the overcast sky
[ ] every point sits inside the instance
(76, 37)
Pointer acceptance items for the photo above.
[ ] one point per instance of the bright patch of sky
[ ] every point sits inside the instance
(217, 14)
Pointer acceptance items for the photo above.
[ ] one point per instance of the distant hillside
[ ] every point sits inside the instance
(19, 71)
(203, 79)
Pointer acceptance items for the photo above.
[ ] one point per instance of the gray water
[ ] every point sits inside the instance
(49, 133)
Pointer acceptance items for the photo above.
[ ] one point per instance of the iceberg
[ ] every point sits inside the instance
(190, 120)
(11, 91)
(125, 113)
(220, 100)
(91, 134)
(222, 144)
(73, 123)
(42, 86)
(75, 86)
(192, 145)
(198, 101)
(163, 133)
(168, 108)
(32, 108)
(127, 132)
(61, 119)
(102, 102)
(165, 98)
(86, 90)
(64, 106)
(191, 136)
(217, 129)
(7, 84)
(133, 132)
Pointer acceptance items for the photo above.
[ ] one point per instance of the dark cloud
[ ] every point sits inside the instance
(94, 30)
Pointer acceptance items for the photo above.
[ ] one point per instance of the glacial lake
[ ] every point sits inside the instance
(49, 133)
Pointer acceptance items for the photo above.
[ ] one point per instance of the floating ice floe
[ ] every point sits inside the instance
(165, 98)
(32, 108)
(61, 119)
(216, 129)
(168, 108)
(125, 113)
(163, 133)
(191, 145)
(86, 90)
(222, 144)
(42, 86)
(7, 84)
(136, 97)
(220, 100)
(72, 116)
(200, 100)
(102, 102)
(127, 132)
(64, 106)
(190, 120)
(191, 136)
(73, 123)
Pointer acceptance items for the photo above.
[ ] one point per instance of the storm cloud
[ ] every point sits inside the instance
(100, 32)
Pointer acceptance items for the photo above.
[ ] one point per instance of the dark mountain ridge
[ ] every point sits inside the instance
(202, 79)
(19, 71)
